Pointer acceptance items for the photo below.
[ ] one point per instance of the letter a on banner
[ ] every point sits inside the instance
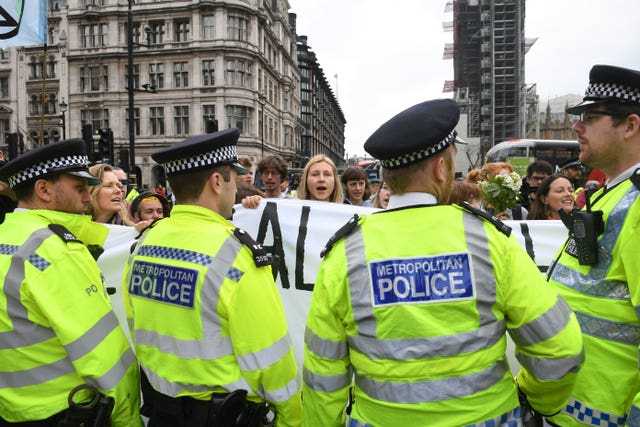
(22, 22)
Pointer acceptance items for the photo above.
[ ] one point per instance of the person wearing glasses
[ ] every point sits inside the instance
(605, 295)
(536, 173)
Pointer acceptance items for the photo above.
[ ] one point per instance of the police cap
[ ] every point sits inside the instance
(201, 152)
(415, 134)
(571, 163)
(610, 84)
(68, 156)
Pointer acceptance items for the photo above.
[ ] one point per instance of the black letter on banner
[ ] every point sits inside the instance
(270, 216)
(302, 235)
(528, 244)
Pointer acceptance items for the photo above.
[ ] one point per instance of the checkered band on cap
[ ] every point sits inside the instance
(410, 158)
(220, 155)
(59, 164)
(612, 90)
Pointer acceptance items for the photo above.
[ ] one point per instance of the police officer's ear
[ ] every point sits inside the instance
(216, 182)
(633, 124)
(42, 189)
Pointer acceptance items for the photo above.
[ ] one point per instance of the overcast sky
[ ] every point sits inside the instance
(388, 54)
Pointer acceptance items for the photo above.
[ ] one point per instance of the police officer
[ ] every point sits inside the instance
(57, 328)
(572, 169)
(605, 294)
(416, 300)
(207, 320)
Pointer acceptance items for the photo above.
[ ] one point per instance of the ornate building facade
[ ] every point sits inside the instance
(197, 64)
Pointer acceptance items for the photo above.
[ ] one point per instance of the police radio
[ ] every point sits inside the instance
(584, 229)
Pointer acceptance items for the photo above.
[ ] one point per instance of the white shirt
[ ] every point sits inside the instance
(411, 199)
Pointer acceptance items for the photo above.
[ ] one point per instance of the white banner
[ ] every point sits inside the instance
(295, 231)
(22, 22)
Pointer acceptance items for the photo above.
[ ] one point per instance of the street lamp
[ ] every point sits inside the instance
(63, 109)
(262, 100)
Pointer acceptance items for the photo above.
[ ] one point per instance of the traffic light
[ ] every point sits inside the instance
(212, 126)
(87, 135)
(105, 146)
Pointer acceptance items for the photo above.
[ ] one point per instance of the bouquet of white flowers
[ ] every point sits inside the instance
(501, 192)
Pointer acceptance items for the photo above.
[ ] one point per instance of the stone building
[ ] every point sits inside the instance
(196, 65)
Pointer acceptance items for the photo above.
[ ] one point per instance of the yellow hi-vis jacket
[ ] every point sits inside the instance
(205, 318)
(606, 300)
(415, 302)
(57, 328)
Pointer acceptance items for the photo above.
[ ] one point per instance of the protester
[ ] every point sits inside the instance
(536, 172)
(273, 172)
(320, 181)
(381, 199)
(8, 200)
(554, 192)
(490, 170)
(217, 332)
(245, 180)
(465, 191)
(600, 279)
(356, 186)
(58, 329)
(107, 198)
(415, 301)
(147, 208)
(590, 187)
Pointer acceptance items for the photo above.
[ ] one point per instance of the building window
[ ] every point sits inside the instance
(51, 107)
(136, 120)
(156, 117)
(95, 3)
(180, 74)
(4, 129)
(136, 31)
(208, 73)
(4, 87)
(237, 28)
(181, 119)
(4, 54)
(94, 35)
(208, 27)
(136, 75)
(35, 68)
(96, 117)
(208, 113)
(182, 28)
(157, 32)
(34, 105)
(238, 117)
(156, 75)
(94, 79)
(238, 73)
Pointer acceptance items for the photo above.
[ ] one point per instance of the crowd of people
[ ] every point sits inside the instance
(409, 311)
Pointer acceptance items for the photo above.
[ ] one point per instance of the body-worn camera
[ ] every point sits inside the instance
(584, 229)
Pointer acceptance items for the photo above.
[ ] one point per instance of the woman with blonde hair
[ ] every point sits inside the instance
(108, 205)
(320, 181)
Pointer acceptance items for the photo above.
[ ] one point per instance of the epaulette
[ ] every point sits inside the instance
(345, 230)
(635, 178)
(260, 256)
(62, 232)
(499, 225)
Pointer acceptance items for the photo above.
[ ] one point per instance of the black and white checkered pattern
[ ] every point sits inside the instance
(220, 155)
(612, 91)
(407, 159)
(59, 164)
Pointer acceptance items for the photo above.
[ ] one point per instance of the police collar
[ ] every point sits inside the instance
(621, 177)
(397, 201)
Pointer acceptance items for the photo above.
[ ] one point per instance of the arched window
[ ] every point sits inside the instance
(52, 105)
(55, 136)
(51, 68)
(45, 139)
(35, 68)
(34, 105)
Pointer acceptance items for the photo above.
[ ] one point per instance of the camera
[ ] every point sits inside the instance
(584, 229)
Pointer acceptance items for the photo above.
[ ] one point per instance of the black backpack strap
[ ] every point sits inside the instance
(499, 225)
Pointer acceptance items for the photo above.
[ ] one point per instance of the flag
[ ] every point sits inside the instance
(449, 49)
(22, 22)
(449, 86)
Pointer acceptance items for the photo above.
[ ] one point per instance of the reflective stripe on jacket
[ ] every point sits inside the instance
(204, 318)
(606, 300)
(58, 329)
(415, 304)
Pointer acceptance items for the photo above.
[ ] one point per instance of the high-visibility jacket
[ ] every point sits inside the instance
(606, 300)
(205, 318)
(416, 302)
(57, 327)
